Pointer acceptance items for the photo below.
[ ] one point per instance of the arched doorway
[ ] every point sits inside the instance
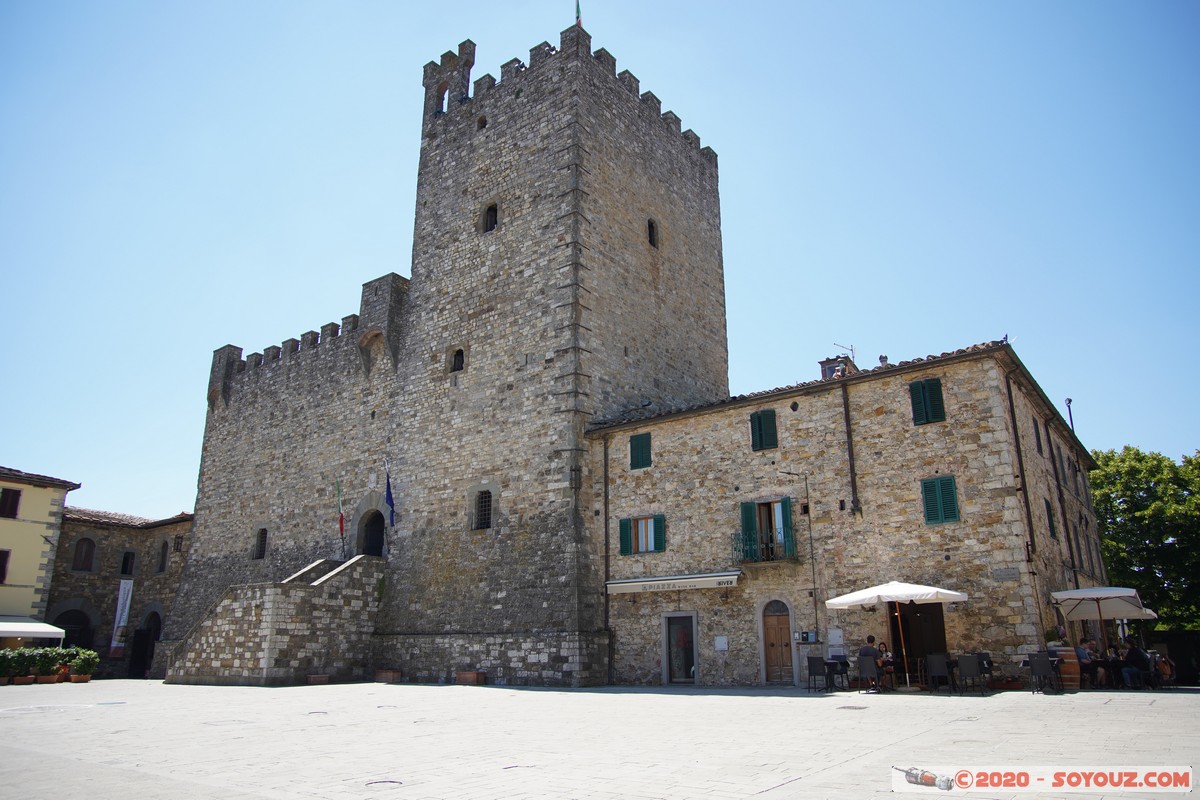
(78, 627)
(141, 654)
(373, 533)
(777, 642)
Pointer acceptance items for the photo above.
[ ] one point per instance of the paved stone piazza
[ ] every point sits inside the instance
(144, 739)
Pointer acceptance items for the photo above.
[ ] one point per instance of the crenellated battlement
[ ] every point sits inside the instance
(448, 80)
(378, 318)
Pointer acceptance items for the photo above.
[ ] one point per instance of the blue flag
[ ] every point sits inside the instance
(391, 502)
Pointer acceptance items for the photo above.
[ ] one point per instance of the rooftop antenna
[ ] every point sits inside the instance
(845, 347)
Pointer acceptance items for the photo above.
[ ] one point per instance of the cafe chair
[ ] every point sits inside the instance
(1042, 675)
(938, 669)
(869, 675)
(841, 672)
(816, 672)
(970, 671)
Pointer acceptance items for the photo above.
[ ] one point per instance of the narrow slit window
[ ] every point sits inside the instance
(652, 232)
(127, 563)
(260, 545)
(491, 218)
(164, 553)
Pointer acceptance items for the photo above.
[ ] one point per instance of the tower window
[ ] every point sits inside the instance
(127, 563)
(652, 232)
(260, 545)
(491, 218)
(458, 361)
(163, 554)
(483, 511)
(481, 123)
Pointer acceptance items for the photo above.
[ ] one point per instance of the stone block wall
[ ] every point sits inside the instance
(279, 633)
(93, 592)
(703, 468)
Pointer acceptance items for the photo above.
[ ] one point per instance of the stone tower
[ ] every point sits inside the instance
(566, 265)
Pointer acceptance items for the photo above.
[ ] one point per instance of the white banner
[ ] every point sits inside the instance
(120, 623)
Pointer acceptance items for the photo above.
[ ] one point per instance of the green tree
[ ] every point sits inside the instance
(1148, 510)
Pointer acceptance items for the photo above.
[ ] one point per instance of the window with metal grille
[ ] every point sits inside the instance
(260, 545)
(766, 533)
(483, 510)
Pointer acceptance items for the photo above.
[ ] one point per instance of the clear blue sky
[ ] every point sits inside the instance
(907, 178)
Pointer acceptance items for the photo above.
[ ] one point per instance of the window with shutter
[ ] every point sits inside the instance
(763, 435)
(643, 535)
(639, 451)
(927, 403)
(1050, 519)
(940, 500)
(766, 531)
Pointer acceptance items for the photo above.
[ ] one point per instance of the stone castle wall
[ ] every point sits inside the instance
(518, 300)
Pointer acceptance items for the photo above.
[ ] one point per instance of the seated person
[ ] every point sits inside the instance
(1136, 662)
(1088, 664)
(869, 650)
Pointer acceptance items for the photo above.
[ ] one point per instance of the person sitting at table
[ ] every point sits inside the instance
(1136, 662)
(870, 651)
(1088, 665)
(887, 664)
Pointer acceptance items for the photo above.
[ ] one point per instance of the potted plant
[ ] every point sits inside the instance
(22, 666)
(45, 664)
(83, 665)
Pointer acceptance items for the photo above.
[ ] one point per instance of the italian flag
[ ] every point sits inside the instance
(578, 16)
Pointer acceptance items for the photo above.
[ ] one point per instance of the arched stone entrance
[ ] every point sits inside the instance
(373, 534)
(78, 627)
(777, 642)
(141, 652)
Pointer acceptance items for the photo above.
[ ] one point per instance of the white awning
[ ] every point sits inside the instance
(671, 583)
(27, 628)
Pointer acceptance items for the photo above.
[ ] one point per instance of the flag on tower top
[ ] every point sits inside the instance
(578, 16)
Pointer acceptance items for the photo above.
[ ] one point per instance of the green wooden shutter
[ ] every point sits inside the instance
(929, 494)
(749, 532)
(660, 533)
(769, 437)
(916, 392)
(789, 539)
(1050, 519)
(626, 537)
(933, 400)
(755, 432)
(948, 499)
(639, 451)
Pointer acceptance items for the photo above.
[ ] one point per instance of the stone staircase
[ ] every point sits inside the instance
(319, 621)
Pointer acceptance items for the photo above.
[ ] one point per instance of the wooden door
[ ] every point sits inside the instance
(777, 643)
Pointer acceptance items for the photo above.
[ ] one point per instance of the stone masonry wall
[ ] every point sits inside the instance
(94, 592)
(278, 634)
(517, 301)
(703, 468)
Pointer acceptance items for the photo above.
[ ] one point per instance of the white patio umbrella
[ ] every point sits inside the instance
(896, 592)
(1101, 602)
